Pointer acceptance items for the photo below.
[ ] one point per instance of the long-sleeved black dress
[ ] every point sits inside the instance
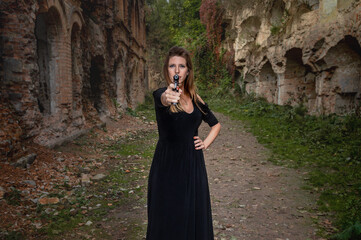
(178, 196)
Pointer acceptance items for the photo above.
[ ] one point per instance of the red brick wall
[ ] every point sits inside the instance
(103, 31)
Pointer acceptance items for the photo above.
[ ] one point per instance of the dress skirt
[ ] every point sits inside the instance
(178, 195)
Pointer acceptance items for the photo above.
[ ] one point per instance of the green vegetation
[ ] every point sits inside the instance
(275, 29)
(124, 186)
(169, 23)
(353, 232)
(328, 146)
(14, 236)
(195, 25)
(147, 108)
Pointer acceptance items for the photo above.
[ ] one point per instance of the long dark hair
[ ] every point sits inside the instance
(189, 86)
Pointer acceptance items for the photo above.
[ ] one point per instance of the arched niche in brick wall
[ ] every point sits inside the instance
(93, 91)
(49, 36)
(298, 83)
(340, 79)
(77, 70)
(120, 84)
(128, 81)
(267, 83)
(134, 84)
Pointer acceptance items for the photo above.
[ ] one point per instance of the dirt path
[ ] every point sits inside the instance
(252, 199)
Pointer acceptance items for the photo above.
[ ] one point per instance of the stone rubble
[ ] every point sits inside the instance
(98, 177)
(45, 200)
(85, 179)
(25, 161)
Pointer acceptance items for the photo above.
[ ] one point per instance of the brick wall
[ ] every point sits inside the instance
(45, 69)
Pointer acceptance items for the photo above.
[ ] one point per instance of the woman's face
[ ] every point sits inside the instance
(178, 65)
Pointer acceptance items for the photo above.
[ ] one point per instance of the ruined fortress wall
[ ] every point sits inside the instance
(65, 65)
(298, 51)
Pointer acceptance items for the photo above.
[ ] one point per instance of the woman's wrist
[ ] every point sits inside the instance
(206, 144)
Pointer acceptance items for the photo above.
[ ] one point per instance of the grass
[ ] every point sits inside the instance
(123, 186)
(329, 146)
(147, 108)
(14, 236)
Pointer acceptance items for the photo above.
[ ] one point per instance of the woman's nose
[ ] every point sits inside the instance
(176, 69)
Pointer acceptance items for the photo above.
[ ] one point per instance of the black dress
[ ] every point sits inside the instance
(178, 196)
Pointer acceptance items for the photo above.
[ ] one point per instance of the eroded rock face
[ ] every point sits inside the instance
(299, 51)
(65, 64)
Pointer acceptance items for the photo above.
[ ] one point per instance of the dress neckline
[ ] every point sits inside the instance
(189, 113)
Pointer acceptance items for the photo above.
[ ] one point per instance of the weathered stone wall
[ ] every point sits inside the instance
(65, 65)
(298, 51)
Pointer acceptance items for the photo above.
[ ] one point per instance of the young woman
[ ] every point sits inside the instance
(178, 196)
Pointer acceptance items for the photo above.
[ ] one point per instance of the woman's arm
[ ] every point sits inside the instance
(199, 144)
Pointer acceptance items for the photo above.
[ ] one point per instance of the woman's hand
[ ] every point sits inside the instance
(198, 143)
(170, 96)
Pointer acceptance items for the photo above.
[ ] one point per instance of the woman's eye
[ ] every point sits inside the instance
(172, 66)
(182, 66)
